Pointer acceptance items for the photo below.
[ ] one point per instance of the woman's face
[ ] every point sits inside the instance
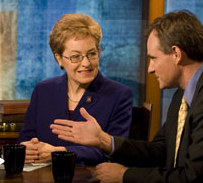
(85, 71)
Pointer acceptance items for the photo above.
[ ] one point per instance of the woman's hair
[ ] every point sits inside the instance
(76, 26)
(182, 29)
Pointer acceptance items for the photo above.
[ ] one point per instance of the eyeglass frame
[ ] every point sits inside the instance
(83, 56)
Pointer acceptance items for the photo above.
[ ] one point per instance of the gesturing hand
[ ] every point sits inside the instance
(85, 133)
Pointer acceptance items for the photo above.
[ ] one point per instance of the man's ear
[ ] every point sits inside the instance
(177, 53)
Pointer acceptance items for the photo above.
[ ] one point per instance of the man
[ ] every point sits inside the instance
(175, 49)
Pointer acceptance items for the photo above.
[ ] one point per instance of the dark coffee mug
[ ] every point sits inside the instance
(14, 156)
(63, 166)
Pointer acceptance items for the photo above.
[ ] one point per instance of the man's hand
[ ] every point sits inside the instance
(84, 133)
(109, 172)
(31, 150)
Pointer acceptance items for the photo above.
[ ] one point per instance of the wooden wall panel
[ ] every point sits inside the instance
(153, 93)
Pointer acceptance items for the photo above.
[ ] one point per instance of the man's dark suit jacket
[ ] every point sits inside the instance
(106, 100)
(153, 162)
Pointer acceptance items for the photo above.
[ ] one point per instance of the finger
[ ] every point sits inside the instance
(34, 140)
(96, 175)
(26, 143)
(85, 114)
(31, 152)
(64, 122)
(40, 161)
(30, 147)
(97, 169)
(60, 127)
(63, 132)
(43, 159)
(29, 161)
(30, 158)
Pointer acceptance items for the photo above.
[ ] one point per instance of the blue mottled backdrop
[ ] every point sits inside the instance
(25, 56)
(121, 23)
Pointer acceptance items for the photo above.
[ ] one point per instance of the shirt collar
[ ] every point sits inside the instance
(190, 88)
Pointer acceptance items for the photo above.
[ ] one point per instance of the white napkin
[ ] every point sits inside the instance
(1, 161)
(31, 166)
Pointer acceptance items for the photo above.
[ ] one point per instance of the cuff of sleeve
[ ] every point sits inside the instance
(112, 148)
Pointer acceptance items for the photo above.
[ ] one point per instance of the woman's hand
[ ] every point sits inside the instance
(45, 150)
(31, 153)
(39, 152)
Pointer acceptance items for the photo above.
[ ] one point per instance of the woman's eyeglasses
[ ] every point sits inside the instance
(91, 55)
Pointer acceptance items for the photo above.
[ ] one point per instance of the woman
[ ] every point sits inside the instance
(74, 41)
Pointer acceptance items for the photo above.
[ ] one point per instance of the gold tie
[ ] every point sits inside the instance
(182, 114)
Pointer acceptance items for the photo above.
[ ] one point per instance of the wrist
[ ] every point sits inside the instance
(105, 142)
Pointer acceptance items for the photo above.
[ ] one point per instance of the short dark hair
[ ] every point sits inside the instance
(182, 29)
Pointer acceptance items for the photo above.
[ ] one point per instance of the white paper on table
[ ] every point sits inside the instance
(31, 166)
(1, 161)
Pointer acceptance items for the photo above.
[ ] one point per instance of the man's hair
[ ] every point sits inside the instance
(182, 29)
(76, 26)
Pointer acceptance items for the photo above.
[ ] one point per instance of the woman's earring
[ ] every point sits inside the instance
(62, 68)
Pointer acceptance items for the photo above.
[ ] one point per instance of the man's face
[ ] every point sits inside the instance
(162, 65)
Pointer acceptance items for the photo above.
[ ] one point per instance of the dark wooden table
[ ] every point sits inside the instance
(82, 175)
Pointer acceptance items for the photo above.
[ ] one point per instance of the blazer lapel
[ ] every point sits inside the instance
(90, 97)
(60, 96)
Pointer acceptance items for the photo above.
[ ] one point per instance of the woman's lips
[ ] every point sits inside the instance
(85, 72)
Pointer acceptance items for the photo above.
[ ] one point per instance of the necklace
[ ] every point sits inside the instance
(75, 101)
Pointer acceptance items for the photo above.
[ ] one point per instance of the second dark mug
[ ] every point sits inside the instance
(63, 166)
(14, 156)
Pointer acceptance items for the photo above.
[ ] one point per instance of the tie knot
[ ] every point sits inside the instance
(184, 105)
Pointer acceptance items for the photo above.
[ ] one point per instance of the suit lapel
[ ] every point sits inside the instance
(187, 127)
(195, 97)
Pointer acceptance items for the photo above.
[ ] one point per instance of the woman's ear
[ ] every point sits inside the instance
(177, 54)
(59, 60)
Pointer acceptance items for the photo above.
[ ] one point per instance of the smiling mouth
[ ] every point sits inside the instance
(85, 71)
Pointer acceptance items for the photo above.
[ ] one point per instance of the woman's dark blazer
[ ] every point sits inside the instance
(106, 100)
